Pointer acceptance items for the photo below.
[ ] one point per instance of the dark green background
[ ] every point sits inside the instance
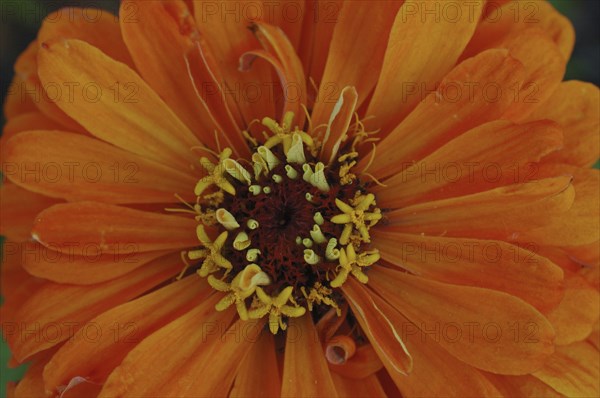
(17, 33)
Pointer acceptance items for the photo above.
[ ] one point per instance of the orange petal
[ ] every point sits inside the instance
(433, 366)
(221, 359)
(359, 388)
(364, 363)
(505, 213)
(305, 371)
(44, 96)
(544, 70)
(292, 75)
(156, 361)
(100, 346)
(19, 208)
(502, 20)
(574, 319)
(483, 263)
(491, 155)
(159, 34)
(16, 284)
(573, 370)
(347, 63)
(490, 330)
(318, 25)
(75, 167)
(32, 385)
(421, 50)
(474, 92)
(228, 37)
(117, 105)
(258, 374)
(97, 27)
(382, 333)
(83, 265)
(576, 107)
(54, 312)
(580, 225)
(339, 121)
(112, 229)
(522, 386)
(17, 101)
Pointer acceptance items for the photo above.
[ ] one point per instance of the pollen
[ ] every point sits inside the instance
(286, 230)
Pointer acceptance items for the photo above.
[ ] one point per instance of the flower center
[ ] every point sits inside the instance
(283, 234)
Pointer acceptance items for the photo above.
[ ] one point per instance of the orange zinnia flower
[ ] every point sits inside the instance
(301, 198)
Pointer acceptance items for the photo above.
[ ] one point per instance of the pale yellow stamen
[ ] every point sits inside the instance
(291, 172)
(252, 224)
(317, 235)
(241, 241)
(311, 257)
(226, 219)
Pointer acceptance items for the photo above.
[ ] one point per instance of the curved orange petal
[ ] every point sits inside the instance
(339, 121)
(17, 101)
(54, 312)
(291, 75)
(382, 333)
(96, 350)
(522, 386)
(502, 20)
(305, 371)
(34, 120)
(228, 37)
(490, 330)
(221, 359)
(433, 366)
(32, 385)
(359, 388)
(474, 92)
(580, 225)
(18, 208)
(16, 284)
(117, 106)
(573, 370)
(258, 374)
(575, 106)
(83, 265)
(489, 264)
(95, 26)
(318, 25)
(347, 63)
(156, 361)
(505, 213)
(364, 363)
(75, 167)
(544, 70)
(421, 50)
(491, 155)
(43, 95)
(575, 317)
(159, 35)
(112, 229)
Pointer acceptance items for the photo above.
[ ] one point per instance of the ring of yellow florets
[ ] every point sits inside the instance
(287, 232)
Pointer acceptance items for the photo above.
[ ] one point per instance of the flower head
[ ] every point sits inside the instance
(392, 215)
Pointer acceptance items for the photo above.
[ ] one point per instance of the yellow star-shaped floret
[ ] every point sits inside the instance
(350, 262)
(276, 307)
(356, 217)
(241, 287)
(213, 259)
